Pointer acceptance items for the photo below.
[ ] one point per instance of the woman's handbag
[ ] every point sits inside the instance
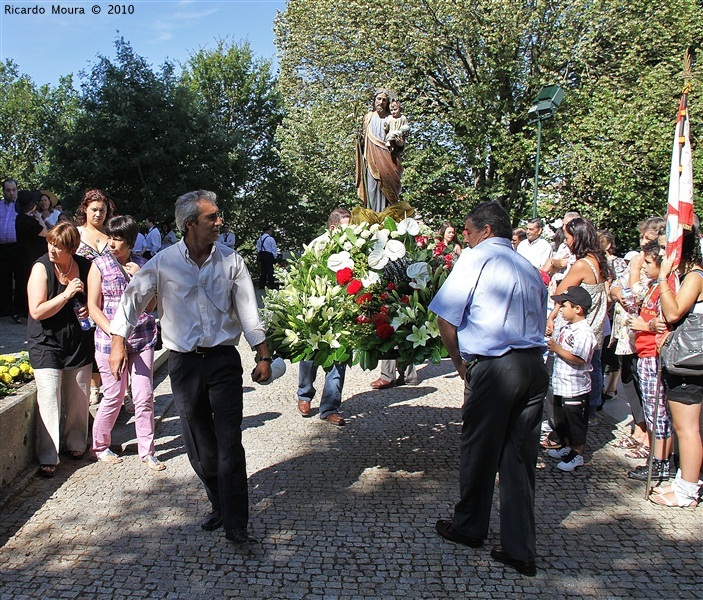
(682, 352)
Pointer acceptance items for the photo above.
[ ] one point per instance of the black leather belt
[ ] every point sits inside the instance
(211, 351)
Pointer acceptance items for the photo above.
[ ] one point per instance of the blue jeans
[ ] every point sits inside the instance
(332, 392)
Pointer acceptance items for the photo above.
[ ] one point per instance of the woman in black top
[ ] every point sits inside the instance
(61, 352)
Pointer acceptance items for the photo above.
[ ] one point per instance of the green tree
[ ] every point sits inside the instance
(30, 117)
(468, 71)
(141, 136)
(239, 93)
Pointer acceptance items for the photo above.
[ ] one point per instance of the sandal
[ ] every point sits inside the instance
(549, 443)
(109, 457)
(669, 499)
(47, 470)
(640, 452)
(382, 384)
(76, 454)
(153, 463)
(627, 443)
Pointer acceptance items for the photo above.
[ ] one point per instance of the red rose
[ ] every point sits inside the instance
(448, 259)
(439, 248)
(354, 286)
(384, 331)
(390, 286)
(384, 310)
(364, 298)
(379, 318)
(383, 297)
(405, 299)
(344, 276)
(421, 240)
(361, 319)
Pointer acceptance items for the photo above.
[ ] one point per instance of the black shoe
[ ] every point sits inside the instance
(522, 567)
(660, 471)
(444, 528)
(240, 536)
(213, 521)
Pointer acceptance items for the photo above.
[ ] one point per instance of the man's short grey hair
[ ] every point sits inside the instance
(187, 208)
(572, 214)
(539, 222)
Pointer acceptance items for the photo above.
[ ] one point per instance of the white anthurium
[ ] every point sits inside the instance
(340, 260)
(409, 226)
(371, 278)
(417, 269)
(378, 258)
(395, 249)
(382, 235)
(420, 283)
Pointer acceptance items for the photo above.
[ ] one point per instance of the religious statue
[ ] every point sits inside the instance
(378, 152)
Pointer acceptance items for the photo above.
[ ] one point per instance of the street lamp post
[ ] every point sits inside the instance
(543, 108)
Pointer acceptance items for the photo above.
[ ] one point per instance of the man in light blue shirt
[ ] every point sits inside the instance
(492, 311)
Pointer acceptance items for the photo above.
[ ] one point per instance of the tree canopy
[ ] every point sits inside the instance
(467, 72)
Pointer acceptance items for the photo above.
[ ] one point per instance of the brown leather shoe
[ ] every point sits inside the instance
(304, 407)
(382, 384)
(335, 419)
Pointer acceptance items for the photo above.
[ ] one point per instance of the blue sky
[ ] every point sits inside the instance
(47, 46)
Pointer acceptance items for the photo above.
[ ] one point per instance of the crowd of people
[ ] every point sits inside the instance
(529, 325)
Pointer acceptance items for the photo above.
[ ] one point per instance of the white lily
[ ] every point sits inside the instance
(291, 337)
(419, 336)
(316, 301)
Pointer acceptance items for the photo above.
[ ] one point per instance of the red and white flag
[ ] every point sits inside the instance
(679, 215)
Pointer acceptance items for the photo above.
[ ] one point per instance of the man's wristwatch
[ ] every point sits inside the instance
(267, 359)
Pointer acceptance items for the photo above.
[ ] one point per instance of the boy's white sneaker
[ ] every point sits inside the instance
(560, 453)
(575, 461)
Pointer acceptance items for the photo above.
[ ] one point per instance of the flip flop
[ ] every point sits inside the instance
(76, 454)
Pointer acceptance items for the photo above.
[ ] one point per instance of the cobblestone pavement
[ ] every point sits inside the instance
(340, 512)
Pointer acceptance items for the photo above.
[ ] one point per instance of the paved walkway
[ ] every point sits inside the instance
(341, 513)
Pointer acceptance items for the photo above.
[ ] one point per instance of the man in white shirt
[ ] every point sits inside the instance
(153, 238)
(139, 245)
(227, 237)
(206, 300)
(267, 254)
(535, 249)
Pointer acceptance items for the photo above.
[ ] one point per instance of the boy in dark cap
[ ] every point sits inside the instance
(571, 382)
